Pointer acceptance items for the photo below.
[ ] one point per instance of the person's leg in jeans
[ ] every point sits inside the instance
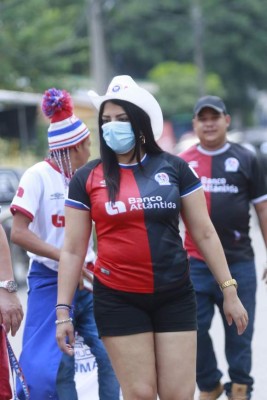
(208, 374)
(238, 347)
(85, 325)
(66, 387)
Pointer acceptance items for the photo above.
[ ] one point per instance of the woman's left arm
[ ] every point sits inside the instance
(198, 223)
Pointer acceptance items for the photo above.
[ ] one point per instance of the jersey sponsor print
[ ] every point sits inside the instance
(231, 179)
(148, 206)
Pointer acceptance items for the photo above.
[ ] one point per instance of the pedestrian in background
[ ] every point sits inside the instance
(38, 227)
(232, 180)
(11, 313)
(144, 301)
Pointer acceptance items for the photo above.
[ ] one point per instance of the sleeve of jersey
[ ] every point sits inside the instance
(29, 192)
(78, 197)
(189, 180)
(258, 186)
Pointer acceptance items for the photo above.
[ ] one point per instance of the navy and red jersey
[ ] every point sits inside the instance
(232, 179)
(138, 240)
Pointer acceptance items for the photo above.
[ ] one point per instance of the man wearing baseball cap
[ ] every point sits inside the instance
(232, 180)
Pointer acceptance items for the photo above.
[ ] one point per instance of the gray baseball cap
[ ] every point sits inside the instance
(211, 102)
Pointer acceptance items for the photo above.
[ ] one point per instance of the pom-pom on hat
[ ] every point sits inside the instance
(123, 87)
(65, 129)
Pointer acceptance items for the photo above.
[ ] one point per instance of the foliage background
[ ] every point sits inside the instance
(186, 47)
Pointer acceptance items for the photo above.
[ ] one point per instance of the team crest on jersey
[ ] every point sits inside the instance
(231, 164)
(115, 208)
(162, 178)
(102, 183)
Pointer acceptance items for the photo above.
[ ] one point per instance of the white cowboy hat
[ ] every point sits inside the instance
(123, 87)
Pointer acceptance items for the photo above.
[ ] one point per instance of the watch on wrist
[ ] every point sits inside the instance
(10, 286)
(230, 282)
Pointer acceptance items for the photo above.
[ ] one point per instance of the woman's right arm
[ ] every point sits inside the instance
(197, 221)
(77, 233)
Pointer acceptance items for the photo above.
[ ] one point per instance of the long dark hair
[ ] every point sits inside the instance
(141, 125)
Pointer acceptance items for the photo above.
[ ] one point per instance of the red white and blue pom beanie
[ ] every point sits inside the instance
(65, 129)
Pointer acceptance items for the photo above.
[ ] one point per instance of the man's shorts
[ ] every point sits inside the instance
(119, 313)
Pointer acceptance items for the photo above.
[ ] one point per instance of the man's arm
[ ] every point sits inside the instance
(28, 240)
(11, 313)
(24, 237)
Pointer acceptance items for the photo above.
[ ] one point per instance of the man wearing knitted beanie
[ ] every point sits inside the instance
(38, 227)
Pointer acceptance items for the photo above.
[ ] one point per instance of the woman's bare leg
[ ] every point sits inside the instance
(176, 365)
(133, 360)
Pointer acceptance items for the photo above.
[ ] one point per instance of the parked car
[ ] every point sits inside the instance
(9, 180)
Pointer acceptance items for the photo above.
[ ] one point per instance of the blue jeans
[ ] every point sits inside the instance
(237, 348)
(84, 324)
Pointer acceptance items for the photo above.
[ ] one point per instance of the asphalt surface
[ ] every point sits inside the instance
(260, 336)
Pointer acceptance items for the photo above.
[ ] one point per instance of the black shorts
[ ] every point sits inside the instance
(120, 313)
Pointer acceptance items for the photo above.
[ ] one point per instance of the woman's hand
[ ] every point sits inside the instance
(234, 309)
(65, 334)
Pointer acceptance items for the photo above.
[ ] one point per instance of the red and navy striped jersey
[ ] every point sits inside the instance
(232, 179)
(138, 240)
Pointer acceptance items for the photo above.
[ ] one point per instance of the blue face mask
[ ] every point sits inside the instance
(119, 136)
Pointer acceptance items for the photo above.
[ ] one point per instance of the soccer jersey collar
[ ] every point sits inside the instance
(54, 166)
(134, 164)
(223, 149)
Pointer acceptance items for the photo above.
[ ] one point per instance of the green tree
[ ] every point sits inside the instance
(178, 87)
(45, 42)
(40, 42)
(235, 47)
(141, 34)
(144, 34)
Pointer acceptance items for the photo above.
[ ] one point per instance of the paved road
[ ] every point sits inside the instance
(260, 337)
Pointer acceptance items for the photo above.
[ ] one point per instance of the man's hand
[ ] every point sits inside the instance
(86, 279)
(11, 313)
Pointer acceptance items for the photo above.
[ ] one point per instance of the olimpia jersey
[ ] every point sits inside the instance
(231, 179)
(138, 240)
(41, 197)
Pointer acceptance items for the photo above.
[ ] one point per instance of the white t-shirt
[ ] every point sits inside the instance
(41, 196)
